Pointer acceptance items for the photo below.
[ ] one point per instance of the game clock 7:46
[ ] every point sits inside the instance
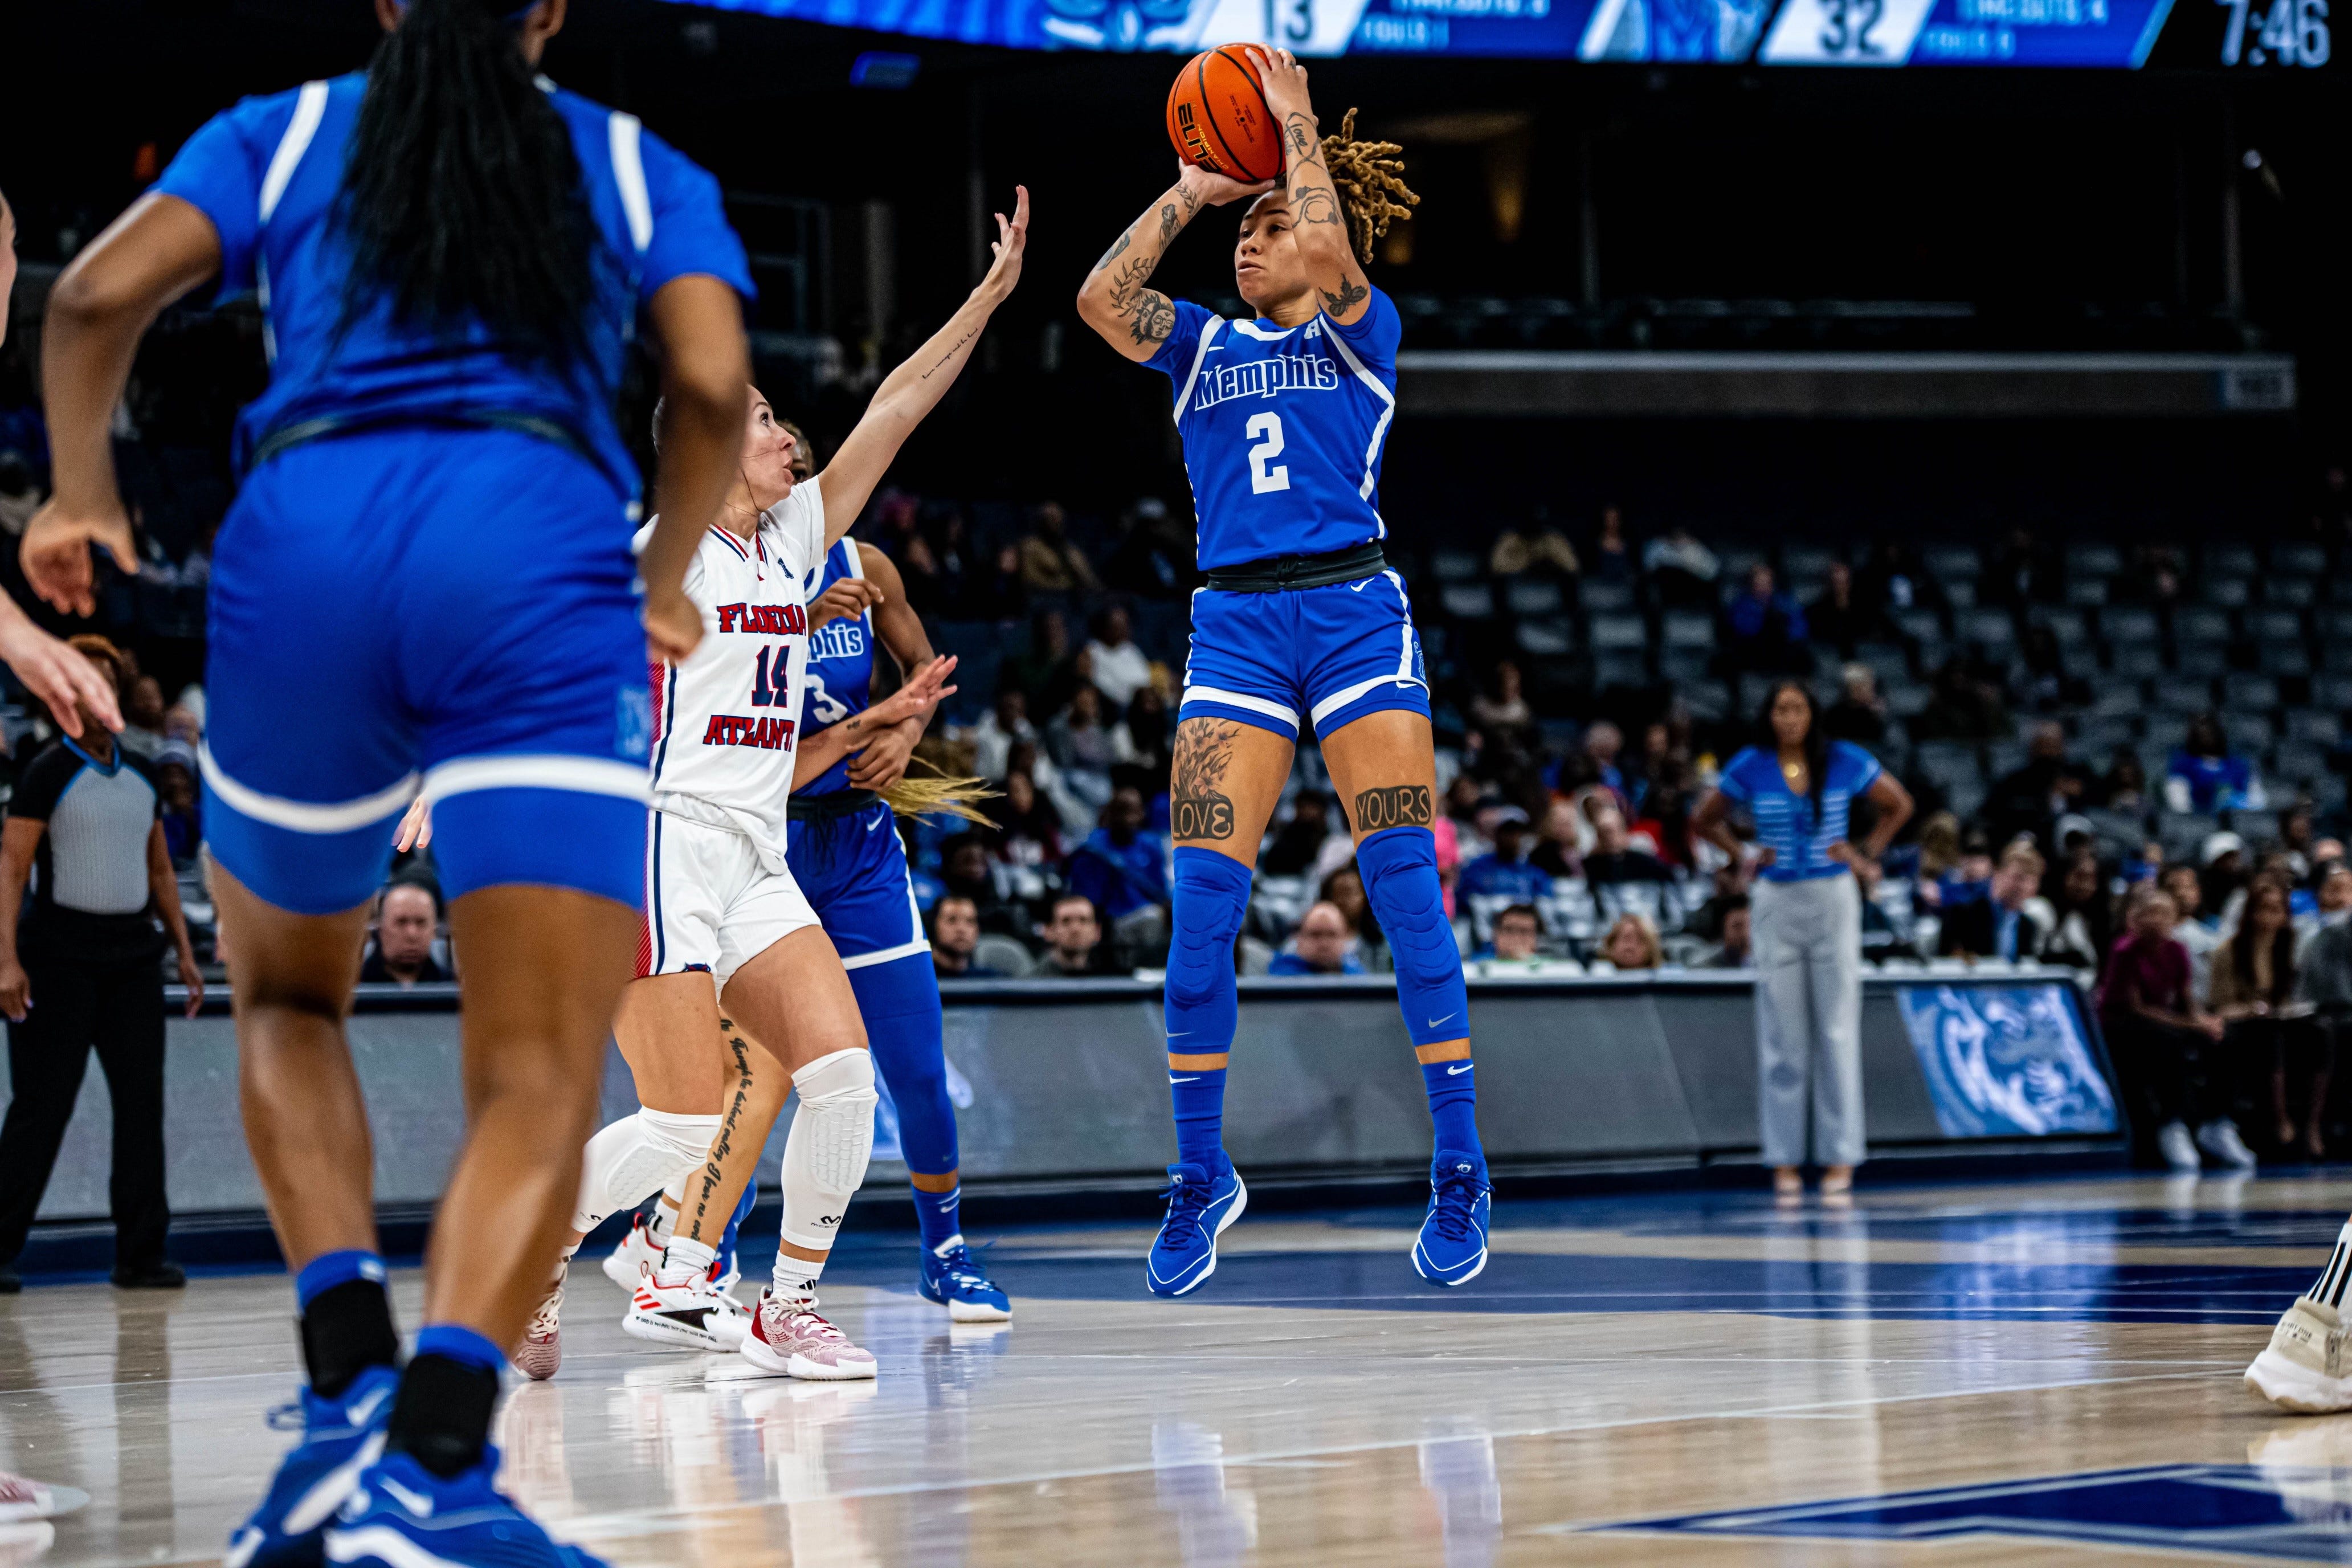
(2291, 33)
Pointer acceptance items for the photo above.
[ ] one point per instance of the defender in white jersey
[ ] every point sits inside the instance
(725, 925)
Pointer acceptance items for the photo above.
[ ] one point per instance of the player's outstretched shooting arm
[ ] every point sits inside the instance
(1319, 218)
(915, 388)
(1113, 300)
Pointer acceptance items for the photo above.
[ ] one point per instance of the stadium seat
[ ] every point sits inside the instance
(1960, 592)
(1685, 665)
(1604, 597)
(1551, 636)
(2183, 833)
(1708, 700)
(2199, 624)
(1683, 629)
(2300, 560)
(2069, 626)
(2333, 692)
(2298, 761)
(2256, 827)
(1908, 699)
(2094, 561)
(2127, 623)
(1966, 797)
(2098, 735)
(2229, 559)
(2230, 593)
(2284, 658)
(1619, 634)
(1944, 761)
(1532, 597)
(2003, 758)
(1946, 563)
(2137, 663)
(2339, 588)
(1454, 565)
(1003, 953)
(2294, 591)
(1992, 628)
(2161, 735)
(1920, 625)
(2254, 693)
(2248, 732)
(2315, 727)
(1468, 601)
(1807, 561)
(2200, 661)
(1619, 668)
(2276, 624)
(2088, 592)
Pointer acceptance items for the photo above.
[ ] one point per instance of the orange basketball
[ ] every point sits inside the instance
(1217, 117)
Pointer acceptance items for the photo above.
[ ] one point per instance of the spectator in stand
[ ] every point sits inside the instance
(2000, 926)
(1074, 943)
(1047, 669)
(1896, 579)
(1143, 743)
(2205, 775)
(80, 973)
(1730, 884)
(1602, 744)
(2224, 856)
(2271, 1028)
(142, 715)
(1881, 938)
(1083, 748)
(1556, 852)
(1612, 549)
(1617, 858)
(2334, 896)
(1542, 545)
(1324, 945)
(1665, 822)
(407, 921)
(1153, 558)
(1961, 706)
(1838, 619)
(1518, 937)
(2162, 1039)
(1735, 951)
(1300, 842)
(2043, 683)
(2085, 931)
(1029, 830)
(2023, 571)
(1505, 875)
(1121, 669)
(1051, 564)
(1859, 714)
(965, 873)
(1632, 945)
(2024, 803)
(955, 937)
(176, 786)
(2196, 935)
(2298, 841)
(1681, 570)
(1121, 867)
(1463, 800)
(1343, 890)
(1502, 711)
(2125, 787)
(999, 729)
(1764, 629)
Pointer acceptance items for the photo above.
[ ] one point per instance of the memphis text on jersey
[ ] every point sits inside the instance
(768, 734)
(1266, 377)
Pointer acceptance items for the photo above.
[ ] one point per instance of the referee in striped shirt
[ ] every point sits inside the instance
(80, 970)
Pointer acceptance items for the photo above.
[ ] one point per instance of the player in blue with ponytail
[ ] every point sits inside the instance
(424, 586)
(1301, 626)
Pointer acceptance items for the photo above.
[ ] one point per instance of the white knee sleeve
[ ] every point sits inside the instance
(636, 1157)
(832, 1139)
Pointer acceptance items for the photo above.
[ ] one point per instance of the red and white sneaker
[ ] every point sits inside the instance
(637, 1256)
(789, 1340)
(541, 1351)
(22, 1500)
(696, 1315)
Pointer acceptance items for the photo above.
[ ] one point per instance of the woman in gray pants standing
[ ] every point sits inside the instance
(1806, 912)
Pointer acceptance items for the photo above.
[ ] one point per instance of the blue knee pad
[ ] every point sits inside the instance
(1210, 897)
(900, 1004)
(1400, 869)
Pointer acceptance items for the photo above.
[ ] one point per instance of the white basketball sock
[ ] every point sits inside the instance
(683, 1260)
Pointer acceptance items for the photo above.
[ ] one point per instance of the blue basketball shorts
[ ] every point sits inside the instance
(450, 611)
(1327, 656)
(853, 870)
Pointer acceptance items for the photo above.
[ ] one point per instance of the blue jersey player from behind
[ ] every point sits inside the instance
(1302, 625)
(846, 855)
(424, 586)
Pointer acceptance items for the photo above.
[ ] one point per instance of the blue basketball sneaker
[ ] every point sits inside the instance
(340, 1438)
(401, 1515)
(1452, 1245)
(951, 1279)
(1199, 1208)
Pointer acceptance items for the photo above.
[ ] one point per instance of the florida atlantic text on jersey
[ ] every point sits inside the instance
(725, 721)
(1283, 428)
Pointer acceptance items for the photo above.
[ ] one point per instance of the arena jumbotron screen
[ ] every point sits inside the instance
(2274, 35)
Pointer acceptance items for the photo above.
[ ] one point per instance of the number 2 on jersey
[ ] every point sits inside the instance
(1262, 477)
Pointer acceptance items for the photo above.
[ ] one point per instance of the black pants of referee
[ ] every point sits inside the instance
(118, 1008)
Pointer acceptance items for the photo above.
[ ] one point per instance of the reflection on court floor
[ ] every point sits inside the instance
(2036, 1373)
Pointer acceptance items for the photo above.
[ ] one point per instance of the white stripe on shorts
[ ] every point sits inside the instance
(581, 775)
(1239, 699)
(304, 817)
(888, 955)
(1338, 700)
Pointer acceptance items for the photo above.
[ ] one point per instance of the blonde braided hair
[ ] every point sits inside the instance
(936, 791)
(1370, 178)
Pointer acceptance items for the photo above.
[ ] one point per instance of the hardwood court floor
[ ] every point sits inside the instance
(1691, 1378)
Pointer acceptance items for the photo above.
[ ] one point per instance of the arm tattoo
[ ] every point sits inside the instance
(1112, 254)
(1400, 805)
(1152, 319)
(1311, 201)
(949, 358)
(1349, 296)
(1192, 200)
(1168, 224)
(1198, 808)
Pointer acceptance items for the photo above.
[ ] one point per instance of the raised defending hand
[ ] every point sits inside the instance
(1010, 243)
(56, 558)
(845, 600)
(922, 693)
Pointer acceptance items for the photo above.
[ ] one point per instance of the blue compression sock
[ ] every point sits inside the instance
(938, 1213)
(329, 1269)
(1199, 1097)
(1211, 897)
(1454, 1105)
(454, 1342)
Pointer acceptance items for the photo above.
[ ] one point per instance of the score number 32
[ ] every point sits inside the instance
(2294, 33)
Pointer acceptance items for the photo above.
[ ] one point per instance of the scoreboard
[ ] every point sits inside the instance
(2267, 36)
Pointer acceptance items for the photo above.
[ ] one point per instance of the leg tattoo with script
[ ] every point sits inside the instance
(1198, 806)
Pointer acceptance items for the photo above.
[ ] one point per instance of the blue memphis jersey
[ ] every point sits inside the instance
(1283, 428)
(840, 667)
(1784, 820)
(267, 173)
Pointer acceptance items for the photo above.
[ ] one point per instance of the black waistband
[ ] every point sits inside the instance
(287, 437)
(1279, 574)
(824, 808)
